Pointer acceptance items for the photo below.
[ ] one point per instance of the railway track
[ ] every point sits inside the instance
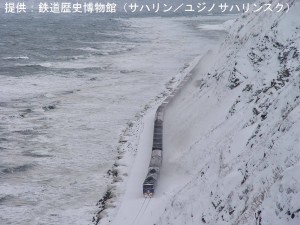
(141, 211)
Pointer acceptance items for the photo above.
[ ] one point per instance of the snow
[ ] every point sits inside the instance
(224, 26)
(231, 138)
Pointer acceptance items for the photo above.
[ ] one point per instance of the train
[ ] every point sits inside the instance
(150, 183)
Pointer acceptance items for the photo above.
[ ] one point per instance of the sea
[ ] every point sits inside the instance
(69, 84)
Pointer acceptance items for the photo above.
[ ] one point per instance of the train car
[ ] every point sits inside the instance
(156, 160)
(155, 165)
(150, 182)
(149, 185)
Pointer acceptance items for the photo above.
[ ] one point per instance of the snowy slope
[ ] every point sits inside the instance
(236, 129)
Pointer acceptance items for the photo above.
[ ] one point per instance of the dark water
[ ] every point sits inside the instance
(28, 41)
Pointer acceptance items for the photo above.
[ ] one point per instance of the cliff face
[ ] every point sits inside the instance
(238, 128)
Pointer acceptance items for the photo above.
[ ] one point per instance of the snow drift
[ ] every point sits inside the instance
(235, 130)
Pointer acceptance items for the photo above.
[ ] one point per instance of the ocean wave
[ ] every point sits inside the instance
(17, 169)
(5, 199)
(21, 70)
(25, 66)
(27, 132)
(14, 58)
(224, 26)
(211, 27)
(36, 155)
(112, 49)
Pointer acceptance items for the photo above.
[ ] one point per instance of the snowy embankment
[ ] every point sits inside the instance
(231, 138)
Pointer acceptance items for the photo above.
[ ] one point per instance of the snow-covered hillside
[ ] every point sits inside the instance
(235, 130)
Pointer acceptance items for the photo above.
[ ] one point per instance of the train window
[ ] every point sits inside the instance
(148, 185)
(152, 171)
(150, 179)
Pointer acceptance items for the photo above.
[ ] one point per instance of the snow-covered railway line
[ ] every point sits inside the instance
(141, 211)
(135, 210)
(150, 183)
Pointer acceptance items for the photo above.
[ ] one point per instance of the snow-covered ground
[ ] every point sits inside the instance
(231, 138)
